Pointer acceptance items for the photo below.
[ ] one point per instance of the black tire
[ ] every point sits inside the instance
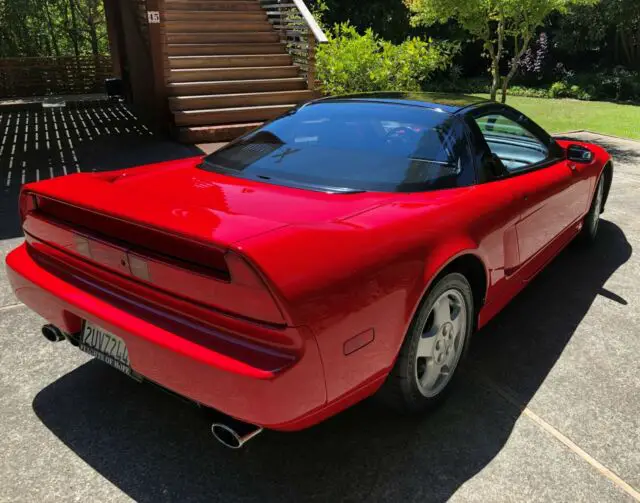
(591, 224)
(401, 391)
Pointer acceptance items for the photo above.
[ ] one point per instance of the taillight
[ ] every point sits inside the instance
(253, 298)
(28, 203)
(207, 274)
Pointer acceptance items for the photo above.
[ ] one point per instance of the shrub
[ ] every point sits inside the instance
(579, 93)
(558, 90)
(620, 85)
(352, 62)
(529, 92)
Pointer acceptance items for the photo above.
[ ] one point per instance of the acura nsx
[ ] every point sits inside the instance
(350, 247)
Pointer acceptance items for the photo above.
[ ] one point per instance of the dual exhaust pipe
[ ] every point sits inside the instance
(228, 431)
(234, 434)
(53, 333)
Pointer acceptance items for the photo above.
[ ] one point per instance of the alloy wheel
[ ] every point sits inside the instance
(441, 343)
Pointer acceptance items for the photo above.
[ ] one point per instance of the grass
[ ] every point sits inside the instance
(559, 116)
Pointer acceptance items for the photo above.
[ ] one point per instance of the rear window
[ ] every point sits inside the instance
(353, 146)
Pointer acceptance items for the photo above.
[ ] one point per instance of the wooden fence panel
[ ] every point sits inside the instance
(23, 77)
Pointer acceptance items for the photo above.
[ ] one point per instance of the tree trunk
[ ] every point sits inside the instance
(626, 49)
(515, 64)
(636, 40)
(495, 53)
(74, 32)
(52, 33)
(495, 78)
(92, 18)
(494, 70)
(93, 37)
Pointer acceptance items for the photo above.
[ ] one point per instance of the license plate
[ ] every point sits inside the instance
(106, 347)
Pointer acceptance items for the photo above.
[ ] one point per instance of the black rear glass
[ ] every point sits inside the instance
(353, 146)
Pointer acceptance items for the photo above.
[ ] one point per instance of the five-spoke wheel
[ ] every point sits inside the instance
(434, 346)
(441, 343)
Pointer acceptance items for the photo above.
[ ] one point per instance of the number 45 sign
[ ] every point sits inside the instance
(154, 17)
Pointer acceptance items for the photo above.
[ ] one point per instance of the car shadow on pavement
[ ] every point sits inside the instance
(155, 447)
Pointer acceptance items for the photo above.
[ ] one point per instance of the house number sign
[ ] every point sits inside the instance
(154, 17)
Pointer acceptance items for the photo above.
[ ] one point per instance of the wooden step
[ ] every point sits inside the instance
(224, 37)
(211, 134)
(236, 86)
(225, 49)
(218, 26)
(217, 74)
(182, 62)
(230, 115)
(202, 102)
(213, 5)
(215, 16)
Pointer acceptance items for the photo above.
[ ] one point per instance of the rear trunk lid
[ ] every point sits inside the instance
(176, 227)
(181, 197)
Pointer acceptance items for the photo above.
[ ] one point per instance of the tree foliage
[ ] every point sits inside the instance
(610, 28)
(40, 28)
(497, 23)
(352, 62)
(387, 18)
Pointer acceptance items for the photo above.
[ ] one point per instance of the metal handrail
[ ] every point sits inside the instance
(304, 11)
(299, 31)
(311, 22)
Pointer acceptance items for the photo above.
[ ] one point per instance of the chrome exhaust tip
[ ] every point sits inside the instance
(52, 333)
(234, 434)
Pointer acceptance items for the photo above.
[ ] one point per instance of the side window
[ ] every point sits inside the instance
(516, 147)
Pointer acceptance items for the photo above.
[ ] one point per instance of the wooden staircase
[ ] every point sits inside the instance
(231, 65)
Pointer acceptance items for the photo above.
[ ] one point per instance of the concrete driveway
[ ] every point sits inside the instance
(549, 409)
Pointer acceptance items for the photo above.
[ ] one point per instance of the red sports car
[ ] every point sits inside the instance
(349, 247)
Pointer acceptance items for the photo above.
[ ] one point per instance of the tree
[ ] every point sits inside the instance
(42, 28)
(610, 29)
(92, 15)
(387, 18)
(497, 23)
(625, 14)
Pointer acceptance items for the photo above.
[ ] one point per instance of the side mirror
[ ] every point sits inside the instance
(578, 153)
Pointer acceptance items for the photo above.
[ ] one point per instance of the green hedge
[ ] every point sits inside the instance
(617, 85)
(352, 62)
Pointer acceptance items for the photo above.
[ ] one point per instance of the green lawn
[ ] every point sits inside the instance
(559, 116)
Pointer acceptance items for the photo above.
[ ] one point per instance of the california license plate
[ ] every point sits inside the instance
(106, 347)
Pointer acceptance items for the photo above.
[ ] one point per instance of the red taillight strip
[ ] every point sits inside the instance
(203, 257)
(245, 294)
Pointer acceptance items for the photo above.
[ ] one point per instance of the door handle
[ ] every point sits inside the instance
(573, 167)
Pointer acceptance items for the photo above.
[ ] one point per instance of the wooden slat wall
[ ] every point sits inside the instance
(23, 77)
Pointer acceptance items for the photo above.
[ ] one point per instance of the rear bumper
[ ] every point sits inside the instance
(286, 400)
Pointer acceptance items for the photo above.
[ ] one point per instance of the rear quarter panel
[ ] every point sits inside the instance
(371, 271)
